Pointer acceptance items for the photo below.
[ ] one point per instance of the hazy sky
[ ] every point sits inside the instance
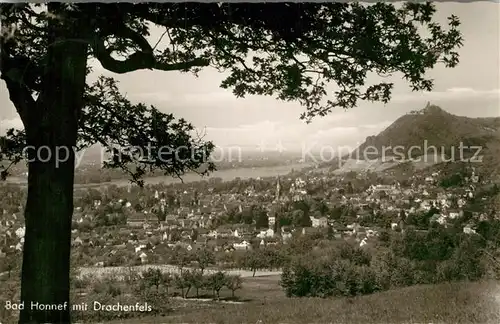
(471, 89)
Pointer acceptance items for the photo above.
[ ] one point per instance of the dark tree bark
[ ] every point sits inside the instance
(52, 127)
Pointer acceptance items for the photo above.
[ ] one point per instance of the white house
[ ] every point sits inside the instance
(319, 222)
(270, 232)
(140, 248)
(272, 220)
(77, 241)
(285, 236)
(213, 234)
(441, 219)
(20, 232)
(144, 257)
(267, 233)
(425, 205)
(242, 246)
(469, 230)
(461, 202)
(445, 203)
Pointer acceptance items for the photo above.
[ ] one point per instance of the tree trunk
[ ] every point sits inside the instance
(51, 129)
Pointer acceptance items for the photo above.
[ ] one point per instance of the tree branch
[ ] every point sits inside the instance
(19, 94)
(143, 59)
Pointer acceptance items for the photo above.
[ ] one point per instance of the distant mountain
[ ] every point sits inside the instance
(427, 128)
(436, 127)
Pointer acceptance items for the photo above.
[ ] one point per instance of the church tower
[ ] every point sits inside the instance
(278, 202)
(278, 190)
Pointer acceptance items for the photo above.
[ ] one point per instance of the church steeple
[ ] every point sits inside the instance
(279, 206)
(278, 189)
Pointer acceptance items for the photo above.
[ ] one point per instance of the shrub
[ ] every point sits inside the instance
(81, 282)
(159, 301)
(107, 286)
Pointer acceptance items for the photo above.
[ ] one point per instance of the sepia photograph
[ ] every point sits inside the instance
(250, 162)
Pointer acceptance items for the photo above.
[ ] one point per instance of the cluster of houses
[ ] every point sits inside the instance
(194, 221)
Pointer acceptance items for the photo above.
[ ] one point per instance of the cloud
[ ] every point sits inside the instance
(348, 134)
(188, 98)
(451, 94)
(293, 136)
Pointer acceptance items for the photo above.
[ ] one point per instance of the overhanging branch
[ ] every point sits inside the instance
(19, 94)
(143, 59)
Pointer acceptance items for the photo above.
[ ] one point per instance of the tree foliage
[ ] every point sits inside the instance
(204, 257)
(234, 283)
(331, 43)
(439, 255)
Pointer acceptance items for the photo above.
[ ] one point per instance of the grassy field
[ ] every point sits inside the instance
(445, 303)
(99, 272)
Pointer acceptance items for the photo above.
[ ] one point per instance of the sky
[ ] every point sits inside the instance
(471, 89)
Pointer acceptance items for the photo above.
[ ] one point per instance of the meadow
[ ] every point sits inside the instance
(265, 302)
(261, 299)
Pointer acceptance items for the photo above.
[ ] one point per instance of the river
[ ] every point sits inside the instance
(225, 175)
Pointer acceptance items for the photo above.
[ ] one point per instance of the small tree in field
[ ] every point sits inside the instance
(254, 260)
(153, 278)
(204, 258)
(197, 281)
(181, 258)
(216, 282)
(234, 283)
(45, 52)
(167, 279)
(182, 282)
(188, 278)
